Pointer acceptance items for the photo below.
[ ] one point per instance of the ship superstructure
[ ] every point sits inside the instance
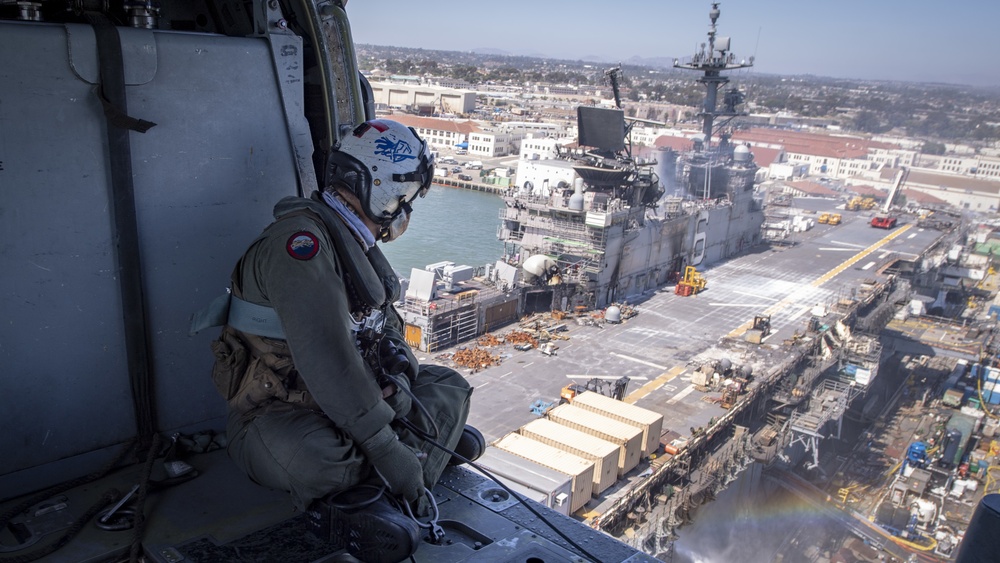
(620, 229)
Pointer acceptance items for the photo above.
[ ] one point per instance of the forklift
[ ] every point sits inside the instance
(759, 330)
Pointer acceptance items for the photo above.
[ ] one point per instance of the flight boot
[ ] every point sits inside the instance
(366, 523)
(470, 446)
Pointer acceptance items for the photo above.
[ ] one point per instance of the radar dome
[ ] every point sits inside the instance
(613, 314)
(539, 268)
(741, 153)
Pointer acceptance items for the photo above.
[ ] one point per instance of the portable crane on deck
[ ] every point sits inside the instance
(885, 220)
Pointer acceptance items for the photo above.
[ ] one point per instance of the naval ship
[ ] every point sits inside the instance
(619, 225)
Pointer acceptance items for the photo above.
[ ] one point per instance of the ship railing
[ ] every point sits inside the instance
(509, 213)
(531, 199)
(432, 308)
(504, 233)
(574, 232)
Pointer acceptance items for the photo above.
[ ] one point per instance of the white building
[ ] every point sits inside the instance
(963, 192)
(539, 149)
(493, 143)
(444, 100)
(977, 166)
(438, 133)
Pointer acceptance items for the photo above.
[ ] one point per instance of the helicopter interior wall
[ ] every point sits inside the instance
(206, 177)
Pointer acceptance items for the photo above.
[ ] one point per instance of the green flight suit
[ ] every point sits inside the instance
(314, 273)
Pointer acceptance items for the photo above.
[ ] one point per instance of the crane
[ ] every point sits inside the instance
(884, 220)
(896, 185)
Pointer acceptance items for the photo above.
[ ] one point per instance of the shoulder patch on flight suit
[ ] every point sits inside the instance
(303, 245)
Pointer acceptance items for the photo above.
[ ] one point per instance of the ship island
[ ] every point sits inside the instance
(658, 324)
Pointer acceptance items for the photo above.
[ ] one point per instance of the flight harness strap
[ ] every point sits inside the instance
(126, 231)
(227, 309)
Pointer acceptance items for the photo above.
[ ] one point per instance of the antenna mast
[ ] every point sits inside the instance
(712, 61)
(613, 75)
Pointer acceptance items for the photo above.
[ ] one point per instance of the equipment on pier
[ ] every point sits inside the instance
(759, 330)
(614, 389)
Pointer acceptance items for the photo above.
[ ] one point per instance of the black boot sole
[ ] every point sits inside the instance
(374, 538)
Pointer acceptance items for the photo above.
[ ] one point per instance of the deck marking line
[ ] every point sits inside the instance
(684, 393)
(757, 296)
(648, 388)
(637, 360)
(606, 377)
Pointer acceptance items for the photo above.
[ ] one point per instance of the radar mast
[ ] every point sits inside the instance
(712, 61)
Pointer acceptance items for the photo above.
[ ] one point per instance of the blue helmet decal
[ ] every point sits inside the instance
(397, 151)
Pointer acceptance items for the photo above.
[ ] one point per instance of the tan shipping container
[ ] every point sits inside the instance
(580, 470)
(604, 454)
(627, 437)
(651, 422)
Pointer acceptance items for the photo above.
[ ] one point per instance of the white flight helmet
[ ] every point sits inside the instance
(387, 165)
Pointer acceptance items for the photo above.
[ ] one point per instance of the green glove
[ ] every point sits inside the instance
(396, 463)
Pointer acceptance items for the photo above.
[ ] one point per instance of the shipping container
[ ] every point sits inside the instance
(964, 427)
(651, 422)
(580, 471)
(953, 397)
(627, 437)
(548, 487)
(604, 454)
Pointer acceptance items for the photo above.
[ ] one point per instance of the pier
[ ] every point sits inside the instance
(469, 185)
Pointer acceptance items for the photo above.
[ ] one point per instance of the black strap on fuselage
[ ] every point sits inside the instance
(125, 225)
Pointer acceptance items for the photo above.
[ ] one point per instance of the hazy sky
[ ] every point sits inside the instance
(952, 41)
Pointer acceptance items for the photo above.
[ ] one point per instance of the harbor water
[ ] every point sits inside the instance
(449, 224)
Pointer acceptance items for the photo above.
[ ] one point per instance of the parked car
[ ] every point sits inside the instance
(465, 177)
(456, 169)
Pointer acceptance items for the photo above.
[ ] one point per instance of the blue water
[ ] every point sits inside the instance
(450, 224)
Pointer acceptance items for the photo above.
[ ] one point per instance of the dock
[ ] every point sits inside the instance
(450, 182)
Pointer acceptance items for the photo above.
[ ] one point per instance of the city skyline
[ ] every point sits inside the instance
(919, 41)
